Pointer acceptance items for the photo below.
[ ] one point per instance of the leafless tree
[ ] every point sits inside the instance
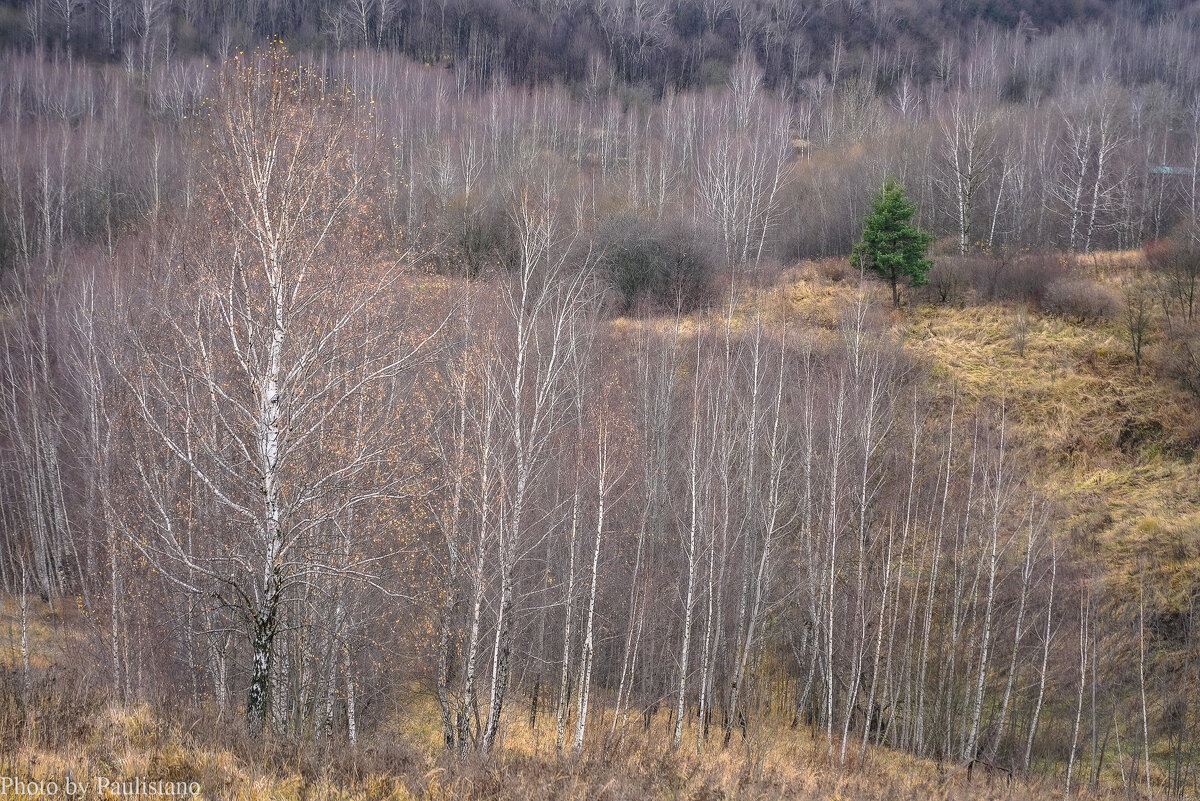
(967, 159)
(1137, 319)
(246, 376)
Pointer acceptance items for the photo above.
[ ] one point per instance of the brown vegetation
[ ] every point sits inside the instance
(377, 430)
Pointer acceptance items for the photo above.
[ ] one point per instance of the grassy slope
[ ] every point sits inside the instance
(1111, 444)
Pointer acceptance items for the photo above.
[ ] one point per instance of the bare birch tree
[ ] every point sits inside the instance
(274, 359)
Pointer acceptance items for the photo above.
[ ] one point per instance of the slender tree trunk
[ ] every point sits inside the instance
(1026, 573)
(1142, 687)
(586, 658)
(564, 699)
(997, 501)
(1083, 648)
(1041, 696)
(351, 697)
(690, 554)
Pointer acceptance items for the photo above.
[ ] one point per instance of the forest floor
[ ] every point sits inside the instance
(86, 739)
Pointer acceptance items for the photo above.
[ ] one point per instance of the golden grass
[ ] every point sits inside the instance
(48, 632)
(1109, 443)
(400, 759)
(124, 743)
(775, 762)
(1112, 266)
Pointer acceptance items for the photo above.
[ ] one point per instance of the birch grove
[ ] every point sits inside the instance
(369, 389)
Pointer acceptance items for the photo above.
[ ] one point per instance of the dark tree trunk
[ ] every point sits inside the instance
(263, 647)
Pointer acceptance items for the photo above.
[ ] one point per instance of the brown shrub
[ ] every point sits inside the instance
(834, 270)
(1080, 299)
(946, 280)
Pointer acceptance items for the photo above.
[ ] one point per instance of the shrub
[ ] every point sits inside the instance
(470, 241)
(1080, 299)
(1011, 278)
(834, 270)
(1020, 331)
(945, 280)
(1182, 357)
(661, 263)
(1177, 267)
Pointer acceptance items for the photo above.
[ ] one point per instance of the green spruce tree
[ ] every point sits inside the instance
(891, 245)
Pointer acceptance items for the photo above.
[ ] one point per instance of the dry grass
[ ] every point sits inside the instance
(1112, 266)
(58, 728)
(776, 762)
(1112, 445)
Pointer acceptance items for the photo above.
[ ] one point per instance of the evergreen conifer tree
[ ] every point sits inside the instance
(891, 245)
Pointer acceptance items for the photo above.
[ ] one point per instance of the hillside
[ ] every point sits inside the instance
(1114, 444)
(1112, 450)
(695, 400)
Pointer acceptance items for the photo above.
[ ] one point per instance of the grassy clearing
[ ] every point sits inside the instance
(1111, 445)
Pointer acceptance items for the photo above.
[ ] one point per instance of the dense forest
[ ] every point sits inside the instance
(405, 386)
